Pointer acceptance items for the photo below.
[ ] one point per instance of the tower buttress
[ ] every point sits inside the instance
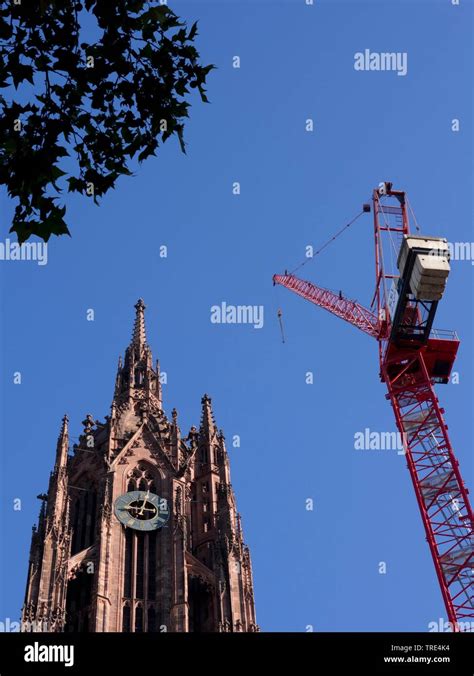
(57, 501)
(217, 535)
(46, 588)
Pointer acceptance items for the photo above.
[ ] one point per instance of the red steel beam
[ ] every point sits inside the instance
(350, 310)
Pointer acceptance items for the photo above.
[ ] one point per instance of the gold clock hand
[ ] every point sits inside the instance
(144, 502)
(142, 509)
(127, 509)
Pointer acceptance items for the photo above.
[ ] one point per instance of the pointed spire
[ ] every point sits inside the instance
(208, 425)
(63, 443)
(139, 334)
(64, 426)
(118, 377)
(135, 377)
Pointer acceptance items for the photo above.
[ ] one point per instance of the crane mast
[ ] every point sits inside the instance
(413, 358)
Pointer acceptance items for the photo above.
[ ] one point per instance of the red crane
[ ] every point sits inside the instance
(413, 358)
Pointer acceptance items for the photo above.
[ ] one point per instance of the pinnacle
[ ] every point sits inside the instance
(64, 426)
(139, 334)
(63, 442)
(207, 419)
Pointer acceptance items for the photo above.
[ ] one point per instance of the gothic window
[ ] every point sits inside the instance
(139, 619)
(201, 607)
(142, 479)
(151, 619)
(139, 582)
(84, 517)
(78, 602)
(126, 618)
(127, 588)
(139, 377)
(205, 554)
(92, 517)
(151, 567)
(84, 521)
(75, 526)
(140, 563)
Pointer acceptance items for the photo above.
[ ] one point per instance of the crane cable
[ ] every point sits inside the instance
(329, 241)
(279, 315)
(413, 214)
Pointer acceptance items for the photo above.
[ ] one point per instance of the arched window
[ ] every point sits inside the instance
(139, 377)
(142, 478)
(140, 587)
(84, 517)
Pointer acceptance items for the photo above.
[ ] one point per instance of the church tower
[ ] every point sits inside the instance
(139, 530)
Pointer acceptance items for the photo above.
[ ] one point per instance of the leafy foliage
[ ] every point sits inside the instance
(92, 107)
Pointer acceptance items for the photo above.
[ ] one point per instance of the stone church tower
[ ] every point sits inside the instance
(97, 564)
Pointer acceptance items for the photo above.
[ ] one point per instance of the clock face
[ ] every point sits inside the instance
(142, 510)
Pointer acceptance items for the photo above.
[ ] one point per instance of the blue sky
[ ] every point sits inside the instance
(319, 567)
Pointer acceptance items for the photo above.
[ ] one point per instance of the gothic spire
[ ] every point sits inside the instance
(136, 372)
(208, 425)
(139, 334)
(63, 443)
(57, 490)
